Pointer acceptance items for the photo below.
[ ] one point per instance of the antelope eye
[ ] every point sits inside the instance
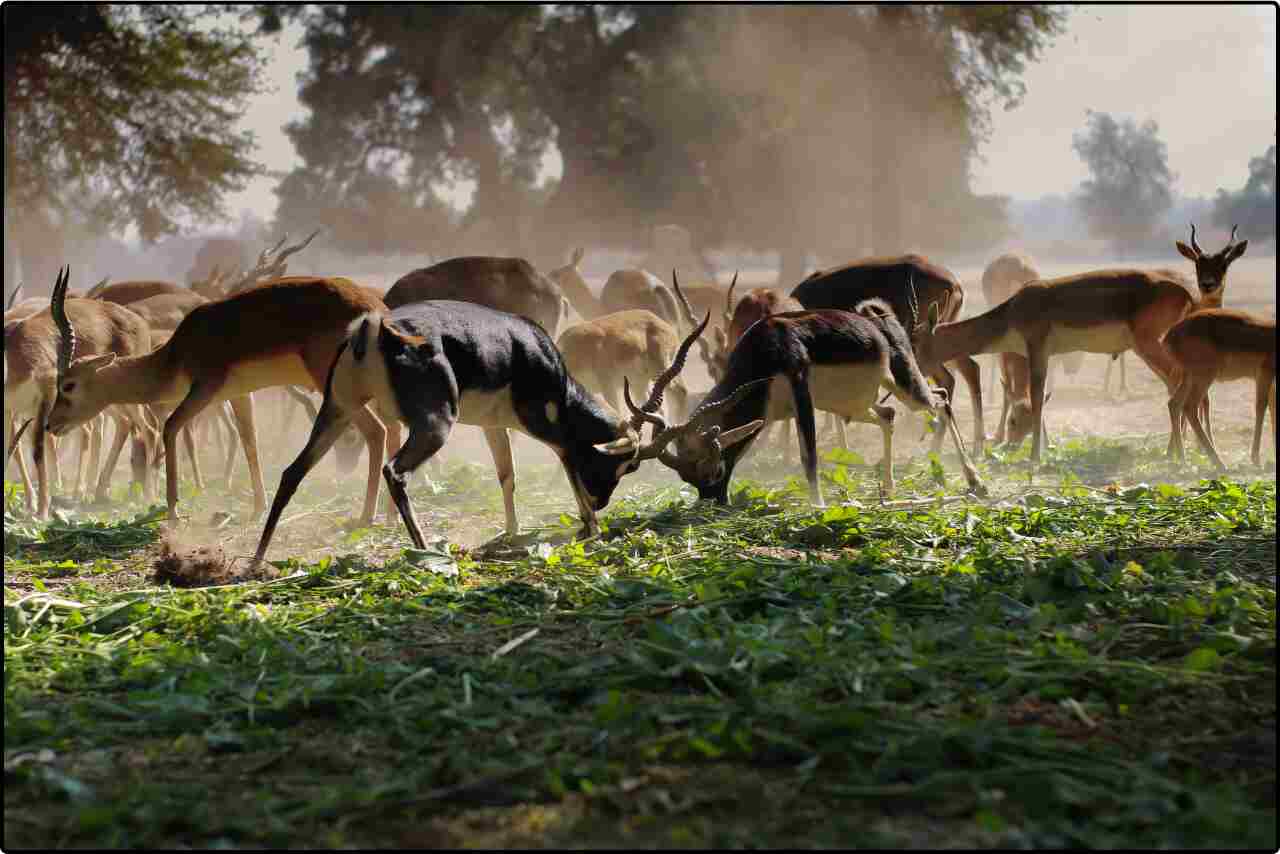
(69, 387)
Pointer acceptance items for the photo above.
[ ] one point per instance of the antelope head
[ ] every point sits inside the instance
(80, 396)
(630, 445)
(1211, 269)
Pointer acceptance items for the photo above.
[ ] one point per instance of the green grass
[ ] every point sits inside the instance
(1087, 658)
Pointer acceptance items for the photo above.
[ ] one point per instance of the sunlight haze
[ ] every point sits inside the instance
(1205, 73)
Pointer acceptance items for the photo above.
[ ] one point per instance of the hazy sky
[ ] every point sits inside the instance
(1206, 74)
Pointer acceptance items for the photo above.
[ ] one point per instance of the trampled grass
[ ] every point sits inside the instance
(1086, 658)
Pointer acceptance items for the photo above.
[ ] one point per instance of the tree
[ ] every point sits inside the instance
(1254, 207)
(1130, 186)
(119, 115)
(754, 124)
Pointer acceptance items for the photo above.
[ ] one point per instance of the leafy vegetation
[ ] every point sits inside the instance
(1086, 659)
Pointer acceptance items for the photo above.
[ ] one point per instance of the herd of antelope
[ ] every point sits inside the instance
(494, 343)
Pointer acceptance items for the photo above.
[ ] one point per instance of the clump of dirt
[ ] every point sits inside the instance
(185, 564)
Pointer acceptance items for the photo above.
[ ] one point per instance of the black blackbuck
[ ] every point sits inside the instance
(437, 363)
(788, 364)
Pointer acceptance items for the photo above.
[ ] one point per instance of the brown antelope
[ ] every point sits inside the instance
(505, 284)
(575, 288)
(125, 293)
(272, 263)
(788, 364)
(1105, 311)
(36, 356)
(1002, 278)
(1219, 345)
(441, 362)
(603, 353)
(639, 289)
(286, 333)
(908, 283)
(1211, 279)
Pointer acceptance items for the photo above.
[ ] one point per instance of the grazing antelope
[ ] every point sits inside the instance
(788, 364)
(755, 304)
(575, 288)
(505, 284)
(639, 289)
(603, 353)
(908, 283)
(286, 333)
(36, 354)
(1105, 311)
(1219, 345)
(1002, 278)
(442, 362)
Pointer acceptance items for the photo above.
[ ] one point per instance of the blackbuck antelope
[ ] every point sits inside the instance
(788, 364)
(909, 284)
(575, 288)
(626, 345)
(629, 289)
(442, 362)
(1211, 269)
(1218, 345)
(1003, 278)
(126, 293)
(286, 332)
(755, 304)
(272, 263)
(1105, 311)
(505, 284)
(36, 353)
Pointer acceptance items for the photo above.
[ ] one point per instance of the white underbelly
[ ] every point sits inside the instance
(1101, 338)
(842, 389)
(264, 373)
(488, 408)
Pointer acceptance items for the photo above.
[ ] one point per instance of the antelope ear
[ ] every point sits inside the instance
(1048, 396)
(729, 438)
(1185, 251)
(1237, 251)
(577, 256)
(933, 316)
(96, 363)
(618, 447)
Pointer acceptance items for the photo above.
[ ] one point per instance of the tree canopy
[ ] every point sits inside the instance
(120, 115)
(755, 124)
(1253, 207)
(1130, 185)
